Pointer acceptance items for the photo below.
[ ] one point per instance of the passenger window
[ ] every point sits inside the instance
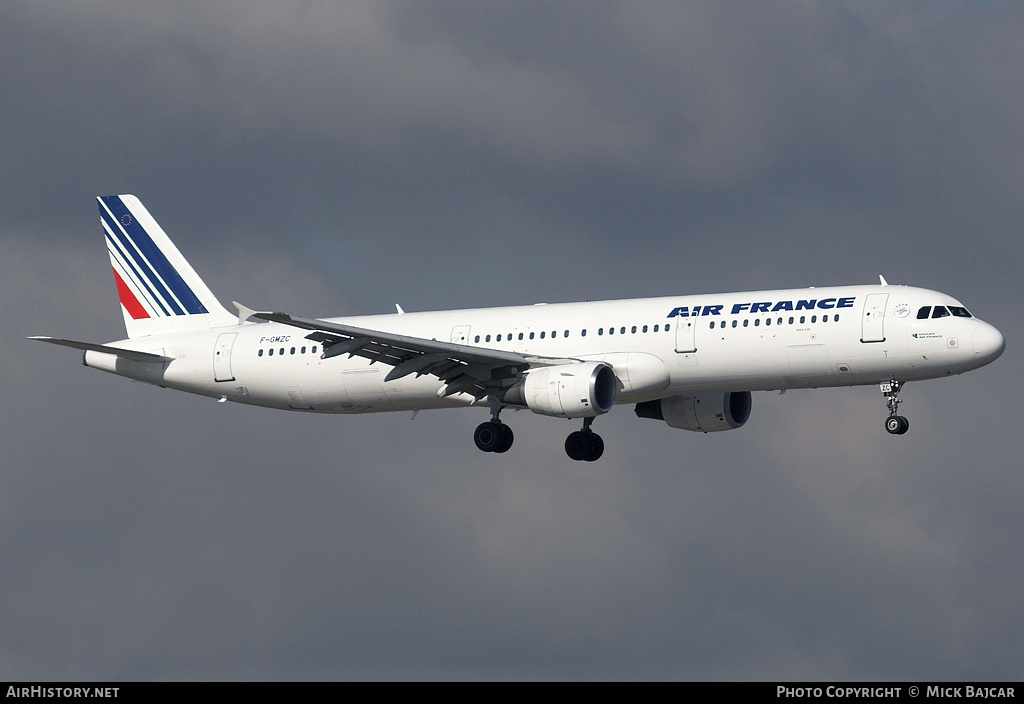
(836, 318)
(487, 339)
(644, 328)
(712, 324)
(757, 322)
(734, 323)
(667, 326)
(531, 335)
(655, 328)
(542, 333)
(498, 338)
(583, 333)
(634, 330)
(260, 353)
(923, 312)
(791, 320)
(940, 312)
(281, 351)
(270, 352)
(803, 319)
(303, 350)
(565, 334)
(767, 321)
(476, 339)
(814, 318)
(314, 349)
(746, 322)
(600, 331)
(293, 350)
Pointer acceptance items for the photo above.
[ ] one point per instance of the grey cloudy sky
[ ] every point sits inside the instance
(329, 159)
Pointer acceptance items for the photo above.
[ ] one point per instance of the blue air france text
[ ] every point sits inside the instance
(764, 307)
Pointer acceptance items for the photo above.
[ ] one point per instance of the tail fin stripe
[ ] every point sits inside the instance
(134, 258)
(128, 299)
(120, 259)
(153, 264)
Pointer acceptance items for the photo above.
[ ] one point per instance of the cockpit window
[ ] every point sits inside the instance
(940, 312)
(960, 312)
(922, 314)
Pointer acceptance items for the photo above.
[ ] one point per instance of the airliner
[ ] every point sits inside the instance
(690, 361)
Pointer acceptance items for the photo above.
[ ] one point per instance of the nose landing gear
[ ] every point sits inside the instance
(895, 424)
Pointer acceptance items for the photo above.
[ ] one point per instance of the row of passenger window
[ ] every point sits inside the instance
(281, 351)
(943, 312)
(780, 321)
(792, 320)
(583, 333)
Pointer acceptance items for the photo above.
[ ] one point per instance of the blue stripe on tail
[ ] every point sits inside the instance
(147, 261)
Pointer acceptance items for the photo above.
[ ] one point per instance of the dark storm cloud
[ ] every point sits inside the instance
(332, 159)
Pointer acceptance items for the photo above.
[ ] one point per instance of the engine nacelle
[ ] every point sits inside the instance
(581, 390)
(705, 413)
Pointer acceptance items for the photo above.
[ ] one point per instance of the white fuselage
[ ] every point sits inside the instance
(657, 347)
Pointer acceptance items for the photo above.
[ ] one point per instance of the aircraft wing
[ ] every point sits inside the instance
(463, 368)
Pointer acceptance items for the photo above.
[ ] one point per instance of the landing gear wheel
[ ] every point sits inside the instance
(584, 445)
(493, 437)
(506, 438)
(897, 425)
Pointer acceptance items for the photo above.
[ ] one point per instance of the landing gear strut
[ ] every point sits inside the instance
(585, 445)
(895, 424)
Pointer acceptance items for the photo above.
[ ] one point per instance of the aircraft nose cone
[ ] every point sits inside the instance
(988, 343)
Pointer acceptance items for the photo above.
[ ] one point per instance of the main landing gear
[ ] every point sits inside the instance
(584, 445)
(895, 424)
(493, 436)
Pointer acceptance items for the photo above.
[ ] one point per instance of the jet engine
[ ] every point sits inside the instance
(705, 413)
(581, 390)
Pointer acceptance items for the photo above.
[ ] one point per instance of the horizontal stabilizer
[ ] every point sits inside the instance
(107, 349)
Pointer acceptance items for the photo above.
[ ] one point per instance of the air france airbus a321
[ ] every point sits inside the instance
(690, 361)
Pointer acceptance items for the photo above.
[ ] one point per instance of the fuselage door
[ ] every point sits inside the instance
(460, 334)
(872, 322)
(222, 357)
(685, 341)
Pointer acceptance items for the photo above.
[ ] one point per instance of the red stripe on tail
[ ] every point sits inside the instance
(128, 299)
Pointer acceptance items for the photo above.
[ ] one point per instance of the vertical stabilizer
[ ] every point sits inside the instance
(158, 289)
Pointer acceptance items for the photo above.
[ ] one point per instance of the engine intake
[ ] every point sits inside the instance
(581, 390)
(706, 413)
